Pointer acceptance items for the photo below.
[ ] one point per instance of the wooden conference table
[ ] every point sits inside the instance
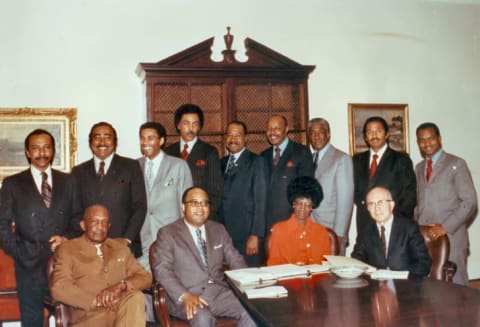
(325, 300)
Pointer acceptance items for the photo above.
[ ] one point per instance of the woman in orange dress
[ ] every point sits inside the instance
(300, 240)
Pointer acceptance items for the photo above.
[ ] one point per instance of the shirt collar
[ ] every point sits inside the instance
(379, 153)
(436, 156)
(190, 144)
(107, 160)
(238, 154)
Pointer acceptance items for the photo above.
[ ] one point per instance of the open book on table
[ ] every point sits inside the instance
(257, 277)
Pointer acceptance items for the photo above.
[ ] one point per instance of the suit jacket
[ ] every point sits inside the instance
(20, 201)
(295, 161)
(80, 274)
(177, 264)
(205, 167)
(406, 248)
(122, 192)
(164, 200)
(244, 196)
(449, 199)
(395, 172)
(335, 174)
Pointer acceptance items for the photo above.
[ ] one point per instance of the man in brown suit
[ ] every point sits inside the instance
(98, 277)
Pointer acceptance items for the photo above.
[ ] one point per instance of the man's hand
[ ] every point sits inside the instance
(125, 241)
(252, 245)
(192, 302)
(109, 297)
(436, 231)
(55, 241)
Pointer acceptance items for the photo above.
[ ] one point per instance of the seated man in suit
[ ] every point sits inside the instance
(394, 242)
(189, 265)
(98, 277)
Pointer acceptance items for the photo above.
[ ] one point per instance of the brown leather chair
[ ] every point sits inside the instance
(55, 308)
(10, 308)
(334, 243)
(161, 311)
(439, 250)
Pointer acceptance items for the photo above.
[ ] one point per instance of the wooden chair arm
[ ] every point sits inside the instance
(160, 305)
(59, 310)
(449, 270)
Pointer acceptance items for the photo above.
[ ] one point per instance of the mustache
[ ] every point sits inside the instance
(42, 158)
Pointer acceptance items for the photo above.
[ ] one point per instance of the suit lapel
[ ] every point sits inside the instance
(439, 166)
(285, 155)
(187, 237)
(326, 161)
(162, 173)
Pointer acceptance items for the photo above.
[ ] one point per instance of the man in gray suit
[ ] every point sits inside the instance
(188, 260)
(446, 196)
(334, 171)
(166, 178)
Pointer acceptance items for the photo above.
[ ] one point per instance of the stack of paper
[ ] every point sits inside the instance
(262, 275)
(389, 274)
(338, 260)
(266, 292)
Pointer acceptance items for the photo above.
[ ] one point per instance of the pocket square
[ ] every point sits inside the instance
(170, 182)
(218, 246)
(290, 164)
(200, 163)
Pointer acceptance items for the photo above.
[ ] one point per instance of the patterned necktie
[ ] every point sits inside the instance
(429, 169)
(101, 171)
(46, 190)
(276, 157)
(373, 166)
(230, 165)
(315, 159)
(184, 153)
(149, 175)
(202, 246)
(383, 240)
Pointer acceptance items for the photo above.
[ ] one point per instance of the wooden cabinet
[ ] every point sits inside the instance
(267, 83)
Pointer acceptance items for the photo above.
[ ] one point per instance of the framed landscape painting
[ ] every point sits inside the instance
(396, 116)
(17, 123)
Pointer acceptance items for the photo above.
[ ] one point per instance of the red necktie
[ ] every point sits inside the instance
(382, 239)
(429, 169)
(373, 166)
(184, 153)
(276, 157)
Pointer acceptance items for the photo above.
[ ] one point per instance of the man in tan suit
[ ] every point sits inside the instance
(98, 277)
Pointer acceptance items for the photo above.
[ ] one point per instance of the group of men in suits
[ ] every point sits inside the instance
(247, 191)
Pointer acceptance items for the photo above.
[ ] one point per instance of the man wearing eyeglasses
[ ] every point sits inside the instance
(188, 259)
(393, 242)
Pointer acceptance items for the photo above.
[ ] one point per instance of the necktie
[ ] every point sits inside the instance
(184, 153)
(149, 175)
(383, 240)
(230, 165)
(46, 190)
(373, 166)
(202, 246)
(276, 157)
(429, 169)
(99, 250)
(101, 171)
(315, 159)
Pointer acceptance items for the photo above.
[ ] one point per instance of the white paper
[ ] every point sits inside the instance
(266, 292)
(338, 260)
(389, 274)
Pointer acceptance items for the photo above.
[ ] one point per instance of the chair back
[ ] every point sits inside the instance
(439, 251)
(10, 309)
(334, 243)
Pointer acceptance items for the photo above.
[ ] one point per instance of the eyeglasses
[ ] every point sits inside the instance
(198, 204)
(378, 204)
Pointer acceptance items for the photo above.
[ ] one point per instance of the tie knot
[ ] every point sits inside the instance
(277, 149)
(199, 232)
(185, 146)
(102, 165)
(44, 176)
(382, 228)
(375, 156)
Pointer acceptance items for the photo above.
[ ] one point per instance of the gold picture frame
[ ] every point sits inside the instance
(396, 116)
(16, 123)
